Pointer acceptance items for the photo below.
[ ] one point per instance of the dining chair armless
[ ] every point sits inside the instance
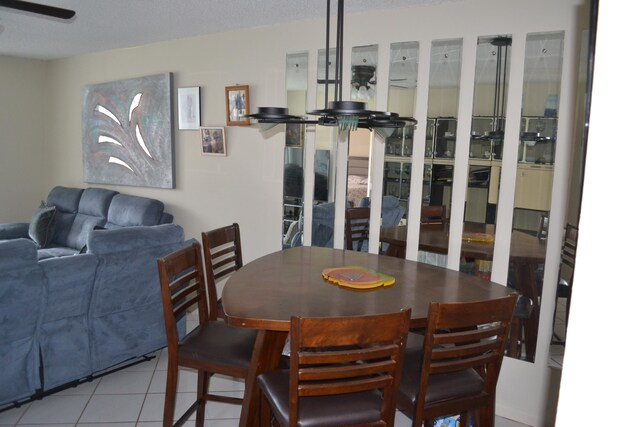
(433, 214)
(356, 227)
(222, 256)
(344, 372)
(212, 347)
(565, 275)
(455, 370)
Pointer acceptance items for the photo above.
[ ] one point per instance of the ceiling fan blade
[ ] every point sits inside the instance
(40, 9)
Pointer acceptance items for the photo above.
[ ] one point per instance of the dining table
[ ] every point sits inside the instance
(265, 293)
(526, 255)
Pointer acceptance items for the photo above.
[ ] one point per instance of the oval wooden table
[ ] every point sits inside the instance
(265, 293)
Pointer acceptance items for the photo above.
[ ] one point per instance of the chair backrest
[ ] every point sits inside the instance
(568, 254)
(356, 227)
(470, 335)
(222, 256)
(333, 356)
(182, 286)
(433, 214)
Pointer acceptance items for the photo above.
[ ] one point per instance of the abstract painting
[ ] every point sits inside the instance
(127, 132)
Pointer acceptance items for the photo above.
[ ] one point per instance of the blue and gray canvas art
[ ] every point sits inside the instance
(127, 132)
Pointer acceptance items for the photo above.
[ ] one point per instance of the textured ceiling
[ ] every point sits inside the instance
(109, 24)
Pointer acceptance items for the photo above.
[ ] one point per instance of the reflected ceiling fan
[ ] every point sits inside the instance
(40, 9)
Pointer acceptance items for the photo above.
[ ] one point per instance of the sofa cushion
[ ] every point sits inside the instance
(127, 211)
(93, 208)
(66, 201)
(41, 225)
(56, 251)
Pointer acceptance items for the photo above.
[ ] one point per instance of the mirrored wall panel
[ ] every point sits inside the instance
(536, 155)
(297, 72)
(440, 146)
(326, 141)
(493, 57)
(396, 178)
(364, 63)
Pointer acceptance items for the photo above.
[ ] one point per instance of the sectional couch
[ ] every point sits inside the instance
(88, 301)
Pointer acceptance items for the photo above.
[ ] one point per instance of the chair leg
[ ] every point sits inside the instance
(203, 390)
(170, 392)
(486, 416)
(265, 411)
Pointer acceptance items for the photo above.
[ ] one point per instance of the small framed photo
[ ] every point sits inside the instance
(189, 108)
(294, 134)
(214, 141)
(237, 98)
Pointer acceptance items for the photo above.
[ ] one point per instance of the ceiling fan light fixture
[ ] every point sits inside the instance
(347, 115)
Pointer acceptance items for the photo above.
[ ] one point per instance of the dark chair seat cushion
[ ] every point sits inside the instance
(326, 411)
(204, 344)
(440, 386)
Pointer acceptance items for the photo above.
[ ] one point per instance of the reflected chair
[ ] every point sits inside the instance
(344, 372)
(212, 347)
(356, 227)
(433, 214)
(567, 265)
(456, 369)
(222, 256)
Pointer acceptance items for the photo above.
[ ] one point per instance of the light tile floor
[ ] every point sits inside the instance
(134, 397)
(556, 351)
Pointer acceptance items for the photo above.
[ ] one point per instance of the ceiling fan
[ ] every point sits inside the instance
(40, 9)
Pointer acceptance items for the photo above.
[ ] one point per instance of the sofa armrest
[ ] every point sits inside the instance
(17, 230)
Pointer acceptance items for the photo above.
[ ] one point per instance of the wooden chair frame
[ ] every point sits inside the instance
(356, 227)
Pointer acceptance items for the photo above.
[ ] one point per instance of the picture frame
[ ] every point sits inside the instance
(237, 102)
(189, 108)
(213, 141)
(294, 134)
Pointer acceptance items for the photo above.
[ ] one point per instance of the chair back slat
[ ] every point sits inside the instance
(182, 286)
(223, 256)
(332, 356)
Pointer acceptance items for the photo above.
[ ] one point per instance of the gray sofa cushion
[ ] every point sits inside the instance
(41, 225)
(93, 208)
(66, 201)
(127, 211)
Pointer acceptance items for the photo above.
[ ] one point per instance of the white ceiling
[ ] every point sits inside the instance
(109, 24)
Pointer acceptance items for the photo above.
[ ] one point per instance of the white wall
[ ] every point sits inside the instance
(23, 137)
(600, 373)
(246, 186)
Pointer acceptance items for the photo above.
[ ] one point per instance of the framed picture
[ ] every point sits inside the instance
(214, 141)
(294, 134)
(237, 98)
(189, 108)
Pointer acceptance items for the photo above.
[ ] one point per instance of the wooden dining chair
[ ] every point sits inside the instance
(212, 347)
(222, 256)
(567, 265)
(456, 369)
(344, 372)
(356, 227)
(433, 214)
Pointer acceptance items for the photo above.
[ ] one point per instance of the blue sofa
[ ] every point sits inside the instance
(65, 318)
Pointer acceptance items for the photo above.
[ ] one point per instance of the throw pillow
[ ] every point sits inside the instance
(41, 225)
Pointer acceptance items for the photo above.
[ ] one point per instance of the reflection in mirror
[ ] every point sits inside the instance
(364, 60)
(325, 157)
(487, 128)
(440, 146)
(296, 84)
(536, 154)
(396, 178)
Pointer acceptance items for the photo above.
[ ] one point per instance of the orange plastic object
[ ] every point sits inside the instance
(357, 277)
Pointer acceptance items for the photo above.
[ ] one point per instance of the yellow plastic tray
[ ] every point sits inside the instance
(357, 277)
